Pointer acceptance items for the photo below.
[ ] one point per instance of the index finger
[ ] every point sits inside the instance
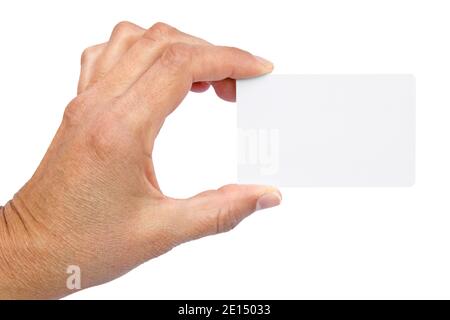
(163, 86)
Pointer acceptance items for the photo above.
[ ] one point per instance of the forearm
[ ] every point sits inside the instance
(28, 269)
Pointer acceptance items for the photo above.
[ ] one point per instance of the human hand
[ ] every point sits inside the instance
(94, 200)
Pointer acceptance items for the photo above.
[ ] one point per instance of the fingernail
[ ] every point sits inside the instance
(268, 200)
(266, 63)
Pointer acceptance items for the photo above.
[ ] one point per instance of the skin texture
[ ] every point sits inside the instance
(94, 200)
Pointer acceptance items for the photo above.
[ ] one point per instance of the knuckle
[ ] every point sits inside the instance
(91, 53)
(225, 220)
(228, 188)
(87, 54)
(177, 55)
(159, 31)
(73, 112)
(123, 29)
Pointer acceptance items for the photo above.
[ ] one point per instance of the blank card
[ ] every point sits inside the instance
(327, 130)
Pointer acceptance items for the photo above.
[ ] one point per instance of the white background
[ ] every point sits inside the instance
(322, 242)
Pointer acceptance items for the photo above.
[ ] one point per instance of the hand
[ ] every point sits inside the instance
(94, 201)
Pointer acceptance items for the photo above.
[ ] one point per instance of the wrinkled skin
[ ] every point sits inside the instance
(94, 200)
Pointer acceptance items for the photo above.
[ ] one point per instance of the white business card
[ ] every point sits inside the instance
(327, 130)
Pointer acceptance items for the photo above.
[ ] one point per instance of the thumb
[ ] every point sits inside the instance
(217, 211)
